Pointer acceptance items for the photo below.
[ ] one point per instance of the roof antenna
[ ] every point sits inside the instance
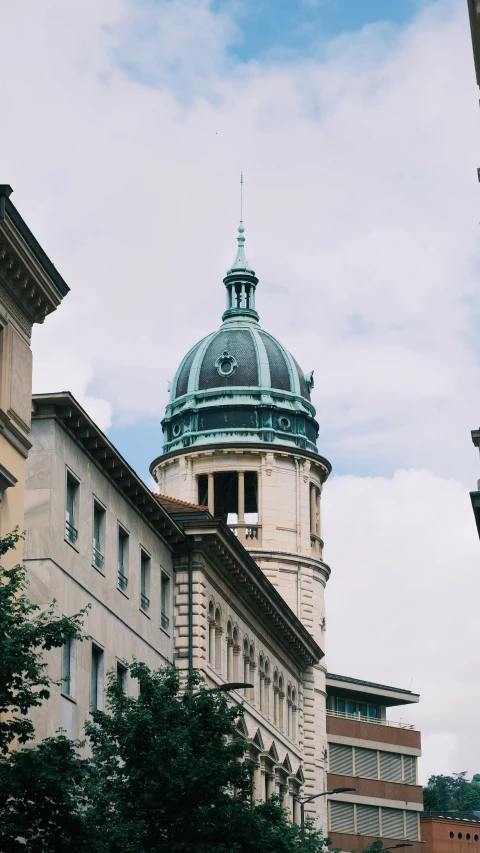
(241, 196)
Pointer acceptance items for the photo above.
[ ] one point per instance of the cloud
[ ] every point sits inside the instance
(125, 128)
(402, 602)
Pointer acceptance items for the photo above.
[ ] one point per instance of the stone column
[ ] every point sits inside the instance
(211, 494)
(296, 811)
(270, 785)
(229, 660)
(241, 505)
(211, 643)
(262, 692)
(313, 509)
(318, 512)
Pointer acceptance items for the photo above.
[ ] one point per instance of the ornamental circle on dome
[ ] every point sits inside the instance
(226, 364)
(177, 428)
(284, 423)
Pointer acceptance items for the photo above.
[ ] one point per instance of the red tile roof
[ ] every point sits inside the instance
(172, 504)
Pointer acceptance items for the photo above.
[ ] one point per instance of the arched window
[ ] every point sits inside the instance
(211, 633)
(229, 651)
(281, 698)
(236, 653)
(251, 672)
(246, 666)
(293, 734)
(289, 711)
(267, 689)
(218, 639)
(261, 672)
(275, 699)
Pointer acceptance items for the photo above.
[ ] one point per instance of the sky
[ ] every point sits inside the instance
(125, 126)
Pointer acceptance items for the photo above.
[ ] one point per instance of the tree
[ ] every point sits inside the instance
(169, 774)
(38, 787)
(25, 633)
(452, 793)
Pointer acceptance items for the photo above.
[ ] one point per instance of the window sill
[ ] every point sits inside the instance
(164, 631)
(144, 612)
(67, 696)
(71, 544)
(100, 571)
(123, 593)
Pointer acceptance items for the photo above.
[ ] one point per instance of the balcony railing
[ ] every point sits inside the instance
(249, 534)
(144, 601)
(122, 579)
(98, 558)
(71, 532)
(164, 621)
(375, 720)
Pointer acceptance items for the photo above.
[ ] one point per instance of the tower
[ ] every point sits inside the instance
(240, 437)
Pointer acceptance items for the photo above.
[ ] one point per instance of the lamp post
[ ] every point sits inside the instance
(304, 800)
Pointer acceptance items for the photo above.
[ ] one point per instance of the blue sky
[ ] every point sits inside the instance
(286, 28)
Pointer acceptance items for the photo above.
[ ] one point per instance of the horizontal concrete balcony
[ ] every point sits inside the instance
(383, 731)
(394, 791)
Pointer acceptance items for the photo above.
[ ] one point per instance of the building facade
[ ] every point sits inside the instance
(220, 570)
(378, 758)
(30, 289)
(446, 833)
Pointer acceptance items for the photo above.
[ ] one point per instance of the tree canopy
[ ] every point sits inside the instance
(452, 793)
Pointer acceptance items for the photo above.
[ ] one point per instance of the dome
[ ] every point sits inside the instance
(239, 384)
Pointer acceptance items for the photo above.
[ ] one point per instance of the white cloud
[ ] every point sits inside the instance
(125, 128)
(402, 602)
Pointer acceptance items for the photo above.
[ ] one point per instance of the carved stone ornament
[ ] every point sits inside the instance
(309, 381)
(226, 364)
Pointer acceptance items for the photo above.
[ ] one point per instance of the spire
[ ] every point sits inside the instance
(240, 262)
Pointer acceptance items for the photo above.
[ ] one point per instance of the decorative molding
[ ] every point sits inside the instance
(7, 480)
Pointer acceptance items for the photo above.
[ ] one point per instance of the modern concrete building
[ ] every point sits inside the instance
(30, 289)
(377, 757)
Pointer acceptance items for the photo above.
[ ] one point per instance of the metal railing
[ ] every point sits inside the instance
(251, 533)
(144, 601)
(343, 715)
(71, 532)
(98, 558)
(164, 621)
(122, 579)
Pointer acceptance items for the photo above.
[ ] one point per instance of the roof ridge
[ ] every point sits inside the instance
(161, 497)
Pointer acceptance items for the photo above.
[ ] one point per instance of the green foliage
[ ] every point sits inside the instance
(25, 633)
(452, 793)
(168, 775)
(375, 847)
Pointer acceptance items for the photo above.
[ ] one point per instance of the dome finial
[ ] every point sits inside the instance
(240, 262)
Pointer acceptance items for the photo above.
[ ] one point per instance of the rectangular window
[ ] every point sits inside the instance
(122, 676)
(144, 580)
(98, 535)
(362, 709)
(71, 531)
(341, 706)
(96, 695)
(67, 655)
(122, 559)
(366, 763)
(342, 817)
(390, 767)
(165, 602)
(351, 707)
(341, 759)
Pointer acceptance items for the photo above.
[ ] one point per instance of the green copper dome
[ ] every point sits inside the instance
(239, 384)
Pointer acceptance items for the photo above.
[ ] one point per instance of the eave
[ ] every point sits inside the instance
(66, 411)
(29, 275)
(474, 14)
(219, 544)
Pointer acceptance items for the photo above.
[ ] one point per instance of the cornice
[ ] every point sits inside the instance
(14, 435)
(239, 569)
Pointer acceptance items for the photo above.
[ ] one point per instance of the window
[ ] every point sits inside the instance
(235, 497)
(354, 709)
(98, 535)
(372, 764)
(67, 667)
(96, 694)
(71, 532)
(372, 820)
(122, 559)
(165, 602)
(122, 676)
(144, 580)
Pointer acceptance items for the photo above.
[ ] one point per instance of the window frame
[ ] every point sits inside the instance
(70, 531)
(145, 575)
(122, 576)
(98, 654)
(165, 611)
(122, 672)
(67, 680)
(98, 554)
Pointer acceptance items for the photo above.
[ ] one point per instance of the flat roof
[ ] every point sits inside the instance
(381, 694)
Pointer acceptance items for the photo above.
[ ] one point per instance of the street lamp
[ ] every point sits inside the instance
(224, 688)
(303, 800)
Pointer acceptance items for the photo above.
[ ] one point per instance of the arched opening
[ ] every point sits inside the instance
(211, 633)
(218, 639)
(229, 651)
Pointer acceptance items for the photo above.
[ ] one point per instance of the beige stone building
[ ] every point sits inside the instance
(221, 569)
(30, 289)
